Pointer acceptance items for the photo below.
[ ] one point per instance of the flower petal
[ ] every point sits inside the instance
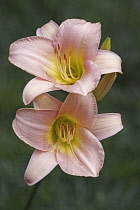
(108, 62)
(81, 108)
(40, 165)
(87, 83)
(36, 87)
(48, 30)
(32, 127)
(34, 55)
(79, 36)
(84, 159)
(46, 101)
(107, 125)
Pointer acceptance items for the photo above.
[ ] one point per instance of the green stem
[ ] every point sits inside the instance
(30, 200)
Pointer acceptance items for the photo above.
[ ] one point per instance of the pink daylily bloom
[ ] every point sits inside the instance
(65, 134)
(63, 57)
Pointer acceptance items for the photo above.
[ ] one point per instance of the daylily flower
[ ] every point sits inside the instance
(65, 134)
(63, 57)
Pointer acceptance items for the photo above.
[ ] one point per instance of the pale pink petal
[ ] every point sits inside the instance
(87, 83)
(79, 36)
(108, 62)
(107, 125)
(32, 127)
(85, 158)
(34, 55)
(36, 87)
(40, 165)
(46, 101)
(48, 30)
(81, 108)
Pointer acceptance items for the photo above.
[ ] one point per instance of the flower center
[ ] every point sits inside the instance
(64, 130)
(69, 66)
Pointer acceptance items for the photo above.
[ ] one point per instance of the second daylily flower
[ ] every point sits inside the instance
(63, 57)
(66, 133)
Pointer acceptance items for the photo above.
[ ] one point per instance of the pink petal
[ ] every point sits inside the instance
(48, 30)
(87, 156)
(34, 55)
(36, 87)
(32, 127)
(79, 36)
(87, 83)
(46, 101)
(40, 165)
(108, 62)
(107, 125)
(82, 108)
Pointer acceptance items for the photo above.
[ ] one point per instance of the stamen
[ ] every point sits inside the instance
(70, 70)
(66, 132)
(62, 132)
(64, 66)
(60, 59)
(65, 56)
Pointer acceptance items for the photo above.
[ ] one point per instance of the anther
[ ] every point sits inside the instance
(65, 58)
(70, 52)
(58, 46)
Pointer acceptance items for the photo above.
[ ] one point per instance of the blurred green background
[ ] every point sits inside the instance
(118, 186)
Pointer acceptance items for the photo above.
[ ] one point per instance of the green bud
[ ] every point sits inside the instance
(104, 86)
(107, 80)
(106, 44)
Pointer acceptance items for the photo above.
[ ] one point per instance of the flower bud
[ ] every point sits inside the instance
(106, 44)
(104, 86)
(107, 80)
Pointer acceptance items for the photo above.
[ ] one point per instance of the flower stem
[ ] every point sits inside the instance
(30, 200)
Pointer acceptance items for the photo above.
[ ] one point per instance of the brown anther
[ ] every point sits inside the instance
(58, 46)
(70, 52)
(65, 58)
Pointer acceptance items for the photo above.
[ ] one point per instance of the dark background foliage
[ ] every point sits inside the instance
(118, 186)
